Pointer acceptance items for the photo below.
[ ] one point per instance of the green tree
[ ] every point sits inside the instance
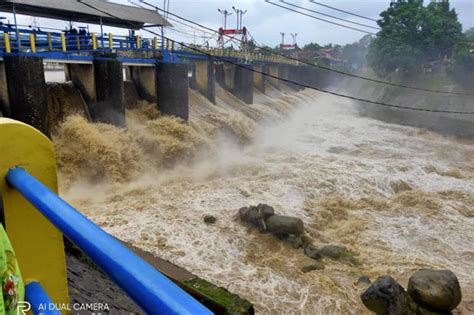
(356, 53)
(462, 65)
(412, 34)
(312, 46)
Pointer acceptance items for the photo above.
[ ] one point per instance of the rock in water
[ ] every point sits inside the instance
(209, 219)
(265, 211)
(283, 225)
(312, 252)
(314, 266)
(257, 215)
(435, 290)
(363, 280)
(386, 297)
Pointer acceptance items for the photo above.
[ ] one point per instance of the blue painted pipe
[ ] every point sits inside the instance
(39, 300)
(151, 290)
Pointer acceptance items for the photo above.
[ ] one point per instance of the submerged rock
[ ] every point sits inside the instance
(339, 253)
(296, 241)
(312, 267)
(386, 297)
(284, 225)
(363, 280)
(209, 219)
(312, 252)
(435, 290)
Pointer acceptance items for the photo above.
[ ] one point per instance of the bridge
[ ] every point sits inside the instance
(96, 64)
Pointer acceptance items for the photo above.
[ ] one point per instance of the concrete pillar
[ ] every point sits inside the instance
(109, 107)
(204, 78)
(27, 91)
(274, 71)
(243, 83)
(4, 98)
(172, 87)
(260, 79)
(144, 79)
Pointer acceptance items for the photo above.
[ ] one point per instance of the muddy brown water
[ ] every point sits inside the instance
(400, 197)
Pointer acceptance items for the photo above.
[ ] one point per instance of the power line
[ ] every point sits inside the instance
(347, 12)
(328, 15)
(316, 65)
(320, 19)
(296, 83)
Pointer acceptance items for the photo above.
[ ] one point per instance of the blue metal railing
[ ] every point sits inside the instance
(39, 299)
(151, 290)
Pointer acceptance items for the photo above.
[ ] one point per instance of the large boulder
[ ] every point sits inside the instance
(284, 225)
(257, 215)
(435, 290)
(386, 297)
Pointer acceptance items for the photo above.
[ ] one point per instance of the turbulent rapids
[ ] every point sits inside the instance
(401, 198)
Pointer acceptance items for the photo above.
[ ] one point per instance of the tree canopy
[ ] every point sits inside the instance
(412, 34)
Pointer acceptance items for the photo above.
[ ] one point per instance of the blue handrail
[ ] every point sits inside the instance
(151, 290)
(39, 300)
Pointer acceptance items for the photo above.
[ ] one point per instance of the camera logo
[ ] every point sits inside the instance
(23, 308)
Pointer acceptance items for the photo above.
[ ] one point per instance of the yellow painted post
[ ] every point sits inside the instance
(94, 41)
(111, 41)
(139, 42)
(50, 42)
(167, 44)
(155, 43)
(63, 42)
(38, 245)
(78, 43)
(32, 43)
(172, 45)
(8, 48)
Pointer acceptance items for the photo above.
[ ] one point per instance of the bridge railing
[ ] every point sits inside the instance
(150, 289)
(28, 41)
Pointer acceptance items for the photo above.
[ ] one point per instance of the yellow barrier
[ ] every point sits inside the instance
(8, 48)
(139, 42)
(155, 43)
(94, 41)
(167, 44)
(37, 243)
(172, 45)
(111, 41)
(63, 42)
(32, 43)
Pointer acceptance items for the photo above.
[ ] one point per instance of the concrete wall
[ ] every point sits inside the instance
(82, 75)
(144, 79)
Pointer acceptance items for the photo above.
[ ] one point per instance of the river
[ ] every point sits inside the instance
(399, 197)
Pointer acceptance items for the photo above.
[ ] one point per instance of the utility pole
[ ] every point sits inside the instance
(294, 38)
(282, 39)
(226, 14)
(240, 14)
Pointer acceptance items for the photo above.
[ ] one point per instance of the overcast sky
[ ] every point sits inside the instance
(265, 22)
